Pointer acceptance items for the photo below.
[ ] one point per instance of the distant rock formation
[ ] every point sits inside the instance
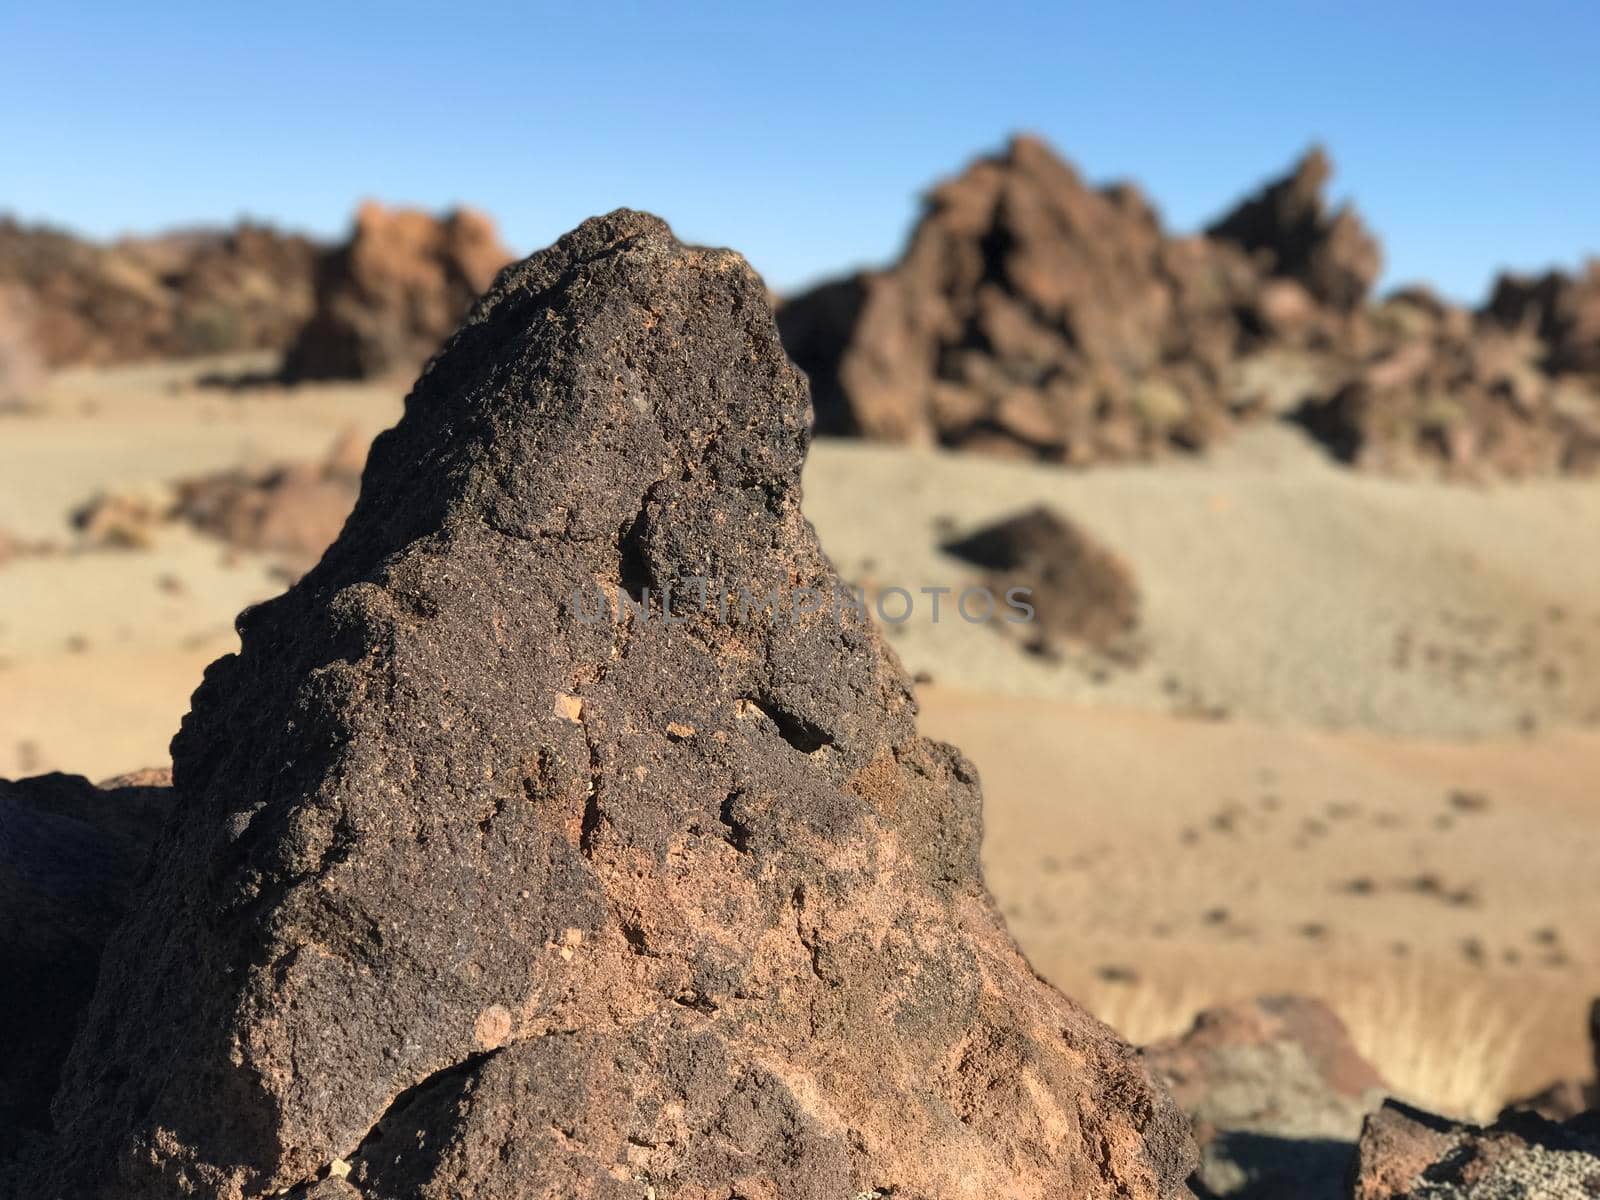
(69, 854)
(390, 296)
(204, 292)
(1330, 254)
(1277, 1094)
(1031, 315)
(498, 877)
(1561, 310)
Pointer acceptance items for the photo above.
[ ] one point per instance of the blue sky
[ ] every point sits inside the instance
(1467, 133)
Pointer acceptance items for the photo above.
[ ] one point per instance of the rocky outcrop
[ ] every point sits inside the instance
(1277, 1094)
(390, 296)
(69, 854)
(1330, 254)
(1407, 1154)
(1080, 593)
(1466, 402)
(246, 288)
(21, 369)
(1030, 315)
(502, 874)
(1562, 310)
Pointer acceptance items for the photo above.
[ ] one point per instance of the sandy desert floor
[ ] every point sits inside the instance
(1359, 756)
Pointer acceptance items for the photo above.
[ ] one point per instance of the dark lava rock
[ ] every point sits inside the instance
(1277, 1094)
(1082, 593)
(1562, 310)
(1030, 315)
(1331, 254)
(69, 853)
(389, 297)
(481, 892)
(1408, 1154)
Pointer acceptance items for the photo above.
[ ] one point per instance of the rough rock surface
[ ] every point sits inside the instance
(1407, 1154)
(1082, 593)
(389, 297)
(1032, 315)
(478, 896)
(245, 288)
(1330, 253)
(1277, 1094)
(69, 853)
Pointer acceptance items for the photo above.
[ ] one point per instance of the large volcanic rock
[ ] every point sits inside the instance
(69, 853)
(482, 892)
(1033, 315)
(1277, 1093)
(1407, 1154)
(390, 296)
(247, 288)
(1330, 253)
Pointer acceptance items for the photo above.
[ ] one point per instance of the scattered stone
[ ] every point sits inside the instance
(1081, 592)
(1277, 1094)
(125, 520)
(758, 961)
(69, 853)
(1408, 1154)
(388, 298)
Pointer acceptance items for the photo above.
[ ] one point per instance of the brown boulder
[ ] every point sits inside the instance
(390, 296)
(485, 893)
(69, 854)
(247, 288)
(1408, 1154)
(1081, 592)
(1288, 224)
(1277, 1094)
(1030, 314)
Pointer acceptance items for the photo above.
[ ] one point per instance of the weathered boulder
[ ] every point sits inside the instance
(1081, 592)
(246, 288)
(1330, 253)
(1032, 315)
(69, 854)
(1408, 1154)
(485, 889)
(390, 296)
(1277, 1094)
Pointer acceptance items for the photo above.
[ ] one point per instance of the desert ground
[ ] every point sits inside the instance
(1356, 754)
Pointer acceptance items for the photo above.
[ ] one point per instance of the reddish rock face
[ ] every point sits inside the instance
(247, 288)
(479, 896)
(1407, 1154)
(1288, 224)
(1032, 315)
(390, 296)
(69, 854)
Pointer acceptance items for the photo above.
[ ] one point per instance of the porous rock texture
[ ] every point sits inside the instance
(389, 296)
(1030, 315)
(1331, 254)
(1408, 1154)
(475, 896)
(69, 854)
(1277, 1094)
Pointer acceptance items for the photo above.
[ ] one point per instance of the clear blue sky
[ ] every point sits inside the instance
(1468, 133)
